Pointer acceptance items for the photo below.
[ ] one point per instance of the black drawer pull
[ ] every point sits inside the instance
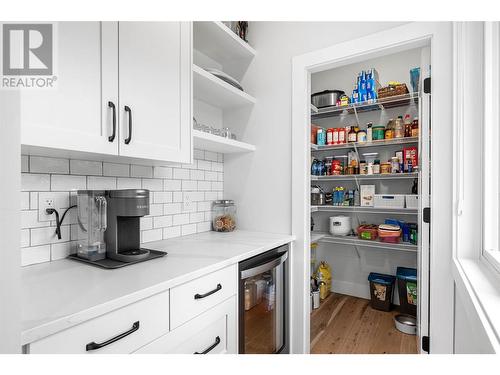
(95, 345)
(111, 105)
(129, 138)
(211, 347)
(200, 296)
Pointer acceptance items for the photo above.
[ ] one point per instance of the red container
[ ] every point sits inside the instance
(329, 136)
(342, 135)
(410, 153)
(337, 167)
(368, 232)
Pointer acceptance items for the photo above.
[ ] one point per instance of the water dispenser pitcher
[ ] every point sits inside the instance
(92, 211)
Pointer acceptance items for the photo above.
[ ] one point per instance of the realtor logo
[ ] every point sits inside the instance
(28, 56)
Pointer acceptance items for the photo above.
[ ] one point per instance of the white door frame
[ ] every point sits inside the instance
(409, 36)
(10, 222)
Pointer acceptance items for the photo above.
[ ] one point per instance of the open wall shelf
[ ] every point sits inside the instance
(215, 143)
(220, 43)
(214, 91)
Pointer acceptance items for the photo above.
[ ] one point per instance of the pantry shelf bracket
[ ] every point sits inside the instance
(357, 251)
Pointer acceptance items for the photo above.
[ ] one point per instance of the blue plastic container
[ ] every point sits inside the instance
(381, 289)
(407, 290)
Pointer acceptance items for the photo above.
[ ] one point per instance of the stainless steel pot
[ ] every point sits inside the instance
(318, 199)
(326, 98)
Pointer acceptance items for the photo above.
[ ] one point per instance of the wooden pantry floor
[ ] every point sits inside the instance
(348, 325)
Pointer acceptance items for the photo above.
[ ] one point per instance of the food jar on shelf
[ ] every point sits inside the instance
(378, 132)
(224, 216)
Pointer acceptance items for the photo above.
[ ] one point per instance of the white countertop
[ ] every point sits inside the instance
(63, 293)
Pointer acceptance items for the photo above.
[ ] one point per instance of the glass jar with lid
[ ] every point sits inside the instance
(223, 215)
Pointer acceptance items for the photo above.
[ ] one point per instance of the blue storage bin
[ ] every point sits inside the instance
(407, 290)
(404, 273)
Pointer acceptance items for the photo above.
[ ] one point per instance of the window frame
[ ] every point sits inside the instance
(490, 252)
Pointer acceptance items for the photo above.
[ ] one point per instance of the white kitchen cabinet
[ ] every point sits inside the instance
(194, 297)
(68, 116)
(213, 332)
(121, 331)
(155, 90)
(122, 89)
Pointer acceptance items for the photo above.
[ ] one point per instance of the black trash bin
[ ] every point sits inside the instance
(381, 289)
(407, 290)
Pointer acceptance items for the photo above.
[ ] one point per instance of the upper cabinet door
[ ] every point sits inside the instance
(155, 90)
(73, 115)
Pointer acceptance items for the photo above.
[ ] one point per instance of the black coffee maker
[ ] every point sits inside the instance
(123, 236)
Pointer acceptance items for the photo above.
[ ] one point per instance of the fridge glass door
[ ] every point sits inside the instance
(263, 316)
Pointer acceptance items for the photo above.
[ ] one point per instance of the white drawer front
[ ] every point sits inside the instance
(194, 297)
(151, 313)
(213, 332)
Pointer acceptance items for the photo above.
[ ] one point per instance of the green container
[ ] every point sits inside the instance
(378, 132)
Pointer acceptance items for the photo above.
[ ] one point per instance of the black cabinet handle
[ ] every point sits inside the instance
(200, 296)
(129, 138)
(95, 345)
(209, 349)
(111, 105)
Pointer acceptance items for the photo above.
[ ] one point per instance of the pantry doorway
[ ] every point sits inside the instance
(430, 41)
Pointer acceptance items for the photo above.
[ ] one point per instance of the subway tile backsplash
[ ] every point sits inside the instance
(58, 178)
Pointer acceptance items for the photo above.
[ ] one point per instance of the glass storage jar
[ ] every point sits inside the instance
(223, 216)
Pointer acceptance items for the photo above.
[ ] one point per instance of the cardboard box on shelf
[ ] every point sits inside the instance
(367, 193)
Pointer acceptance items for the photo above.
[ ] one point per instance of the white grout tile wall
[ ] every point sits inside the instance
(199, 183)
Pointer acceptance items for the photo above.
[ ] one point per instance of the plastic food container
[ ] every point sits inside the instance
(385, 168)
(368, 232)
(381, 288)
(378, 132)
(407, 288)
(389, 233)
(223, 216)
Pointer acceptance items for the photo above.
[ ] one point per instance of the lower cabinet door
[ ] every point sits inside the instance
(121, 331)
(213, 332)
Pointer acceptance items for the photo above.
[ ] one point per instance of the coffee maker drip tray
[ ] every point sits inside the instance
(112, 264)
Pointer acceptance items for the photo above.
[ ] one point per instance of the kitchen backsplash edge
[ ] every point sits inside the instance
(170, 185)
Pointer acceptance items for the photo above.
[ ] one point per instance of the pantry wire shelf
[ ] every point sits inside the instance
(364, 210)
(377, 105)
(376, 143)
(359, 177)
(357, 242)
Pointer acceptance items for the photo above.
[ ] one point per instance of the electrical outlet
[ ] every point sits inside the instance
(187, 203)
(43, 204)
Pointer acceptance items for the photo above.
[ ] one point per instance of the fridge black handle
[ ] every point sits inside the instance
(211, 347)
(129, 111)
(200, 296)
(94, 345)
(111, 105)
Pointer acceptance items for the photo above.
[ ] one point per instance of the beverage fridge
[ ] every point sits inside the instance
(263, 303)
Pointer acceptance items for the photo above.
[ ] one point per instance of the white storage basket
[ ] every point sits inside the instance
(411, 201)
(389, 201)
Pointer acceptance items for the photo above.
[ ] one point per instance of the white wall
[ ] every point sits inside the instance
(261, 182)
(170, 187)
